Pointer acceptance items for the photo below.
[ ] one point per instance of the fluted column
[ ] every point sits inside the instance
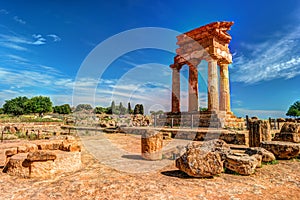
(213, 87)
(175, 88)
(193, 85)
(224, 88)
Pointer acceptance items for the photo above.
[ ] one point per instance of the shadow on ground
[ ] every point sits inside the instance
(133, 157)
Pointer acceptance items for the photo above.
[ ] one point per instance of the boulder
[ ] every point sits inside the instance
(243, 164)
(41, 155)
(216, 145)
(201, 163)
(267, 156)
(290, 132)
(282, 150)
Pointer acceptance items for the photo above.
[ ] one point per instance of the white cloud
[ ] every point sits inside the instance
(269, 60)
(3, 11)
(54, 37)
(19, 20)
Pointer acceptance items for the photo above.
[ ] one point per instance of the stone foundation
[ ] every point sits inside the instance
(41, 158)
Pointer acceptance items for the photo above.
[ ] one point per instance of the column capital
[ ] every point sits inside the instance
(193, 62)
(176, 66)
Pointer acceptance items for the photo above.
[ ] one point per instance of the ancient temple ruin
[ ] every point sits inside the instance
(209, 43)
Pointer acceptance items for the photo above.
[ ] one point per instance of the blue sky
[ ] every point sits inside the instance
(43, 45)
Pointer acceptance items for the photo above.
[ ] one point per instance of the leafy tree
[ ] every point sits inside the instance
(100, 110)
(1, 111)
(16, 106)
(129, 110)
(62, 109)
(39, 104)
(294, 110)
(138, 109)
(81, 107)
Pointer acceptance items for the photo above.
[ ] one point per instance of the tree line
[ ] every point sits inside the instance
(40, 104)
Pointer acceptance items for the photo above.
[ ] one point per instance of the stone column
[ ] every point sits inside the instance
(193, 85)
(152, 144)
(213, 87)
(224, 88)
(175, 89)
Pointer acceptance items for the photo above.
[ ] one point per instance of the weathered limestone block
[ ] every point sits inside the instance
(71, 146)
(259, 130)
(282, 150)
(243, 164)
(152, 143)
(24, 165)
(216, 145)
(201, 163)
(49, 145)
(267, 156)
(18, 165)
(290, 132)
(30, 147)
(41, 155)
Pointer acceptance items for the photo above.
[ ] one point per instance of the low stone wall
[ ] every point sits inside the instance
(32, 127)
(239, 138)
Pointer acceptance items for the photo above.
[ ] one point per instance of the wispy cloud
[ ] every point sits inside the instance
(13, 46)
(3, 11)
(19, 20)
(39, 40)
(54, 37)
(275, 58)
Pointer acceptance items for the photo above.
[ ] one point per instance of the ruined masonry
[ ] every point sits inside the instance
(209, 43)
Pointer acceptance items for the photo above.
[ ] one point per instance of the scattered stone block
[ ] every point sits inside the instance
(290, 132)
(243, 164)
(282, 150)
(201, 163)
(152, 143)
(216, 145)
(267, 156)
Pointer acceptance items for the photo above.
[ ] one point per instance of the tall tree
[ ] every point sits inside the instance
(138, 109)
(16, 106)
(122, 109)
(113, 107)
(62, 109)
(294, 110)
(129, 110)
(40, 104)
